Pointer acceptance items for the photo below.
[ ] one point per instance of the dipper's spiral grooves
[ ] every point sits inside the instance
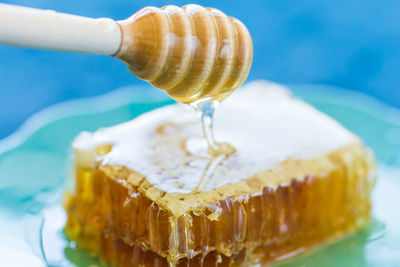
(190, 52)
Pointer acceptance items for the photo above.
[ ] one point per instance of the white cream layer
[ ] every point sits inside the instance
(262, 121)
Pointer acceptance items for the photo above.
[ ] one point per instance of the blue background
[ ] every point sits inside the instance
(348, 43)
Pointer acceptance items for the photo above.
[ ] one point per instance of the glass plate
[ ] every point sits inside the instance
(35, 161)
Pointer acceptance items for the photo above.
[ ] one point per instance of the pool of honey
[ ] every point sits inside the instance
(117, 222)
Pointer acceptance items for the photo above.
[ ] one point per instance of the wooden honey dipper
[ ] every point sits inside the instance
(191, 52)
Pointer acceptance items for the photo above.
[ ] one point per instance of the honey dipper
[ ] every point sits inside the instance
(191, 52)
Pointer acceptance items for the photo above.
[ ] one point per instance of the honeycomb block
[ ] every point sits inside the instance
(147, 192)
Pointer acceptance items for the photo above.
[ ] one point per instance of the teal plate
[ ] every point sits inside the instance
(35, 163)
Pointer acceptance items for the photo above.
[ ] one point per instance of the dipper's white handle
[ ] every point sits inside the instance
(47, 29)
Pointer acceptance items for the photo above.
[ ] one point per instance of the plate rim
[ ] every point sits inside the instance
(135, 94)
